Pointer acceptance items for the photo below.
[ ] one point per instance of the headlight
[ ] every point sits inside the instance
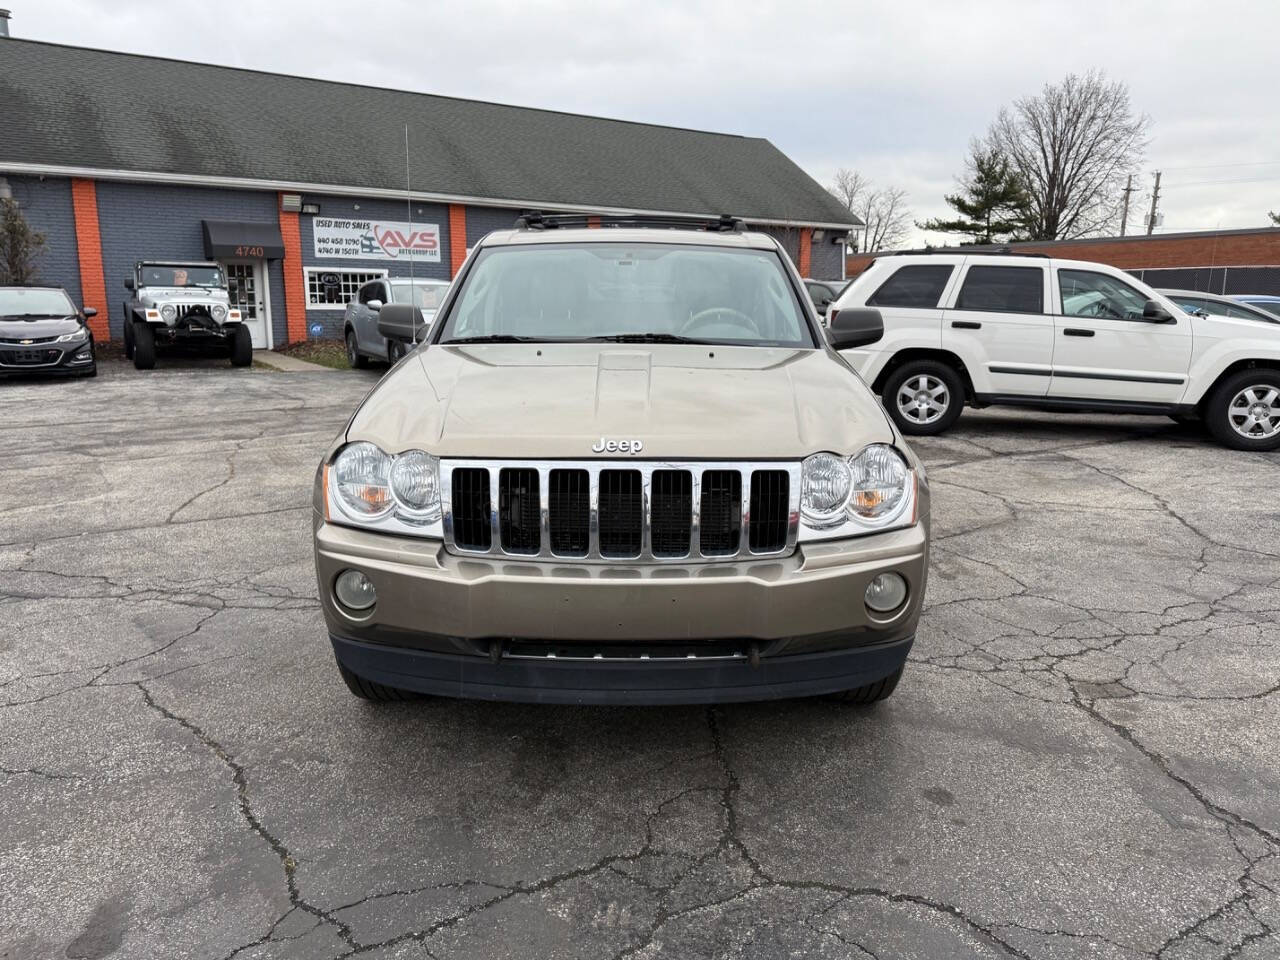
(843, 497)
(168, 312)
(880, 482)
(824, 489)
(219, 312)
(81, 334)
(396, 494)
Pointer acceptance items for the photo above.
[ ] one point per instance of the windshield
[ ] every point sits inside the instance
(177, 275)
(18, 302)
(426, 296)
(646, 291)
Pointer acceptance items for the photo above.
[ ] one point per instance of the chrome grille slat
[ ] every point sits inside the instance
(554, 534)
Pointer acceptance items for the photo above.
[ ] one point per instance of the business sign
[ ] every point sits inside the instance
(375, 239)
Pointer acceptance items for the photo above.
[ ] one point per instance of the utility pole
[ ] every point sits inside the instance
(1124, 214)
(1155, 200)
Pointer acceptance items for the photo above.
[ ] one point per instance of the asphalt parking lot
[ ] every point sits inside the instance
(1082, 759)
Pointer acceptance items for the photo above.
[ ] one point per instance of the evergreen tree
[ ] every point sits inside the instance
(993, 204)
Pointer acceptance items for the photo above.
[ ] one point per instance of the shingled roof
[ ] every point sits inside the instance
(76, 108)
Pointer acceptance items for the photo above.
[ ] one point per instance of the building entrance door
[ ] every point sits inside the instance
(246, 282)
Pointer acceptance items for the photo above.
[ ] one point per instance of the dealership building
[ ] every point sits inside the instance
(301, 188)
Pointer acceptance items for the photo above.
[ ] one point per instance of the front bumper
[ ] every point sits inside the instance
(607, 633)
(45, 358)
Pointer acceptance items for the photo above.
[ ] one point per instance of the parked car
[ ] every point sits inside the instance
(1212, 305)
(1058, 335)
(1265, 301)
(360, 325)
(182, 304)
(42, 331)
(823, 293)
(626, 466)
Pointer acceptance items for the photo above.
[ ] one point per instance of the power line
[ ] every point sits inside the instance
(1199, 183)
(1220, 166)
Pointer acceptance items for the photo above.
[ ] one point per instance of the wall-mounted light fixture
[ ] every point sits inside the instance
(290, 202)
(311, 208)
(355, 206)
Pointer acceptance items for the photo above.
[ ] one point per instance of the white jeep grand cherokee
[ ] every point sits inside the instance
(990, 328)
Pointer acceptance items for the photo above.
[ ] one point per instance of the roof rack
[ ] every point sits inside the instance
(972, 249)
(537, 220)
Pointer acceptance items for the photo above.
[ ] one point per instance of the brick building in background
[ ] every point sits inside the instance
(298, 186)
(1227, 262)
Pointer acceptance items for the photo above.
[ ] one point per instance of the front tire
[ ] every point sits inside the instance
(870, 693)
(1243, 411)
(376, 692)
(128, 338)
(923, 397)
(395, 351)
(241, 347)
(144, 346)
(354, 357)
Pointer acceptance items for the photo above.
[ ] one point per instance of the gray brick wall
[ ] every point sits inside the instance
(330, 320)
(151, 221)
(46, 204)
(482, 220)
(826, 259)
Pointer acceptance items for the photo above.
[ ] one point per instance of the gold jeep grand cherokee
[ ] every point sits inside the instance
(625, 466)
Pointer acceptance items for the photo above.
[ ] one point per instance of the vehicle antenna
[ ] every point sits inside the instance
(408, 204)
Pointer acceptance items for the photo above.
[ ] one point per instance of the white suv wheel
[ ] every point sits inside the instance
(923, 399)
(1254, 412)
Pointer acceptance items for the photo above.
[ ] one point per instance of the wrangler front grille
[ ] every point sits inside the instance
(621, 511)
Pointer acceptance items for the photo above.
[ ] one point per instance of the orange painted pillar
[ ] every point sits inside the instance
(457, 237)
(295, 293)
(806, 252)
(93, 285)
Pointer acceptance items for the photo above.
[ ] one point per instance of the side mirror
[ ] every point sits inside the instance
(89, 312)
(1152, 312)
(374, 305)
(401, 321)
(128, 283)
(855, 327)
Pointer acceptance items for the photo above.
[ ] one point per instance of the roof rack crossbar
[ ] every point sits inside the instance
(537, 220)
(973, 249)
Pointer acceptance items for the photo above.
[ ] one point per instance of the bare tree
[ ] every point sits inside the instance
(883, 209)
(20, 246)
(1073, 145)
(887, 218)
(848, 187)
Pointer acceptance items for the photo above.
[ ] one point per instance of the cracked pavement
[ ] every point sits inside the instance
(1081, 760)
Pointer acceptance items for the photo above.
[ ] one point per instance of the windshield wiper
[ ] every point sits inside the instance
(497, 338)
(644, 338)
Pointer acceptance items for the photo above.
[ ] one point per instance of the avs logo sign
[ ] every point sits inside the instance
(376, 240)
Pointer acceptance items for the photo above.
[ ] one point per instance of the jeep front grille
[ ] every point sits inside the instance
(620, 511)
(472, 529)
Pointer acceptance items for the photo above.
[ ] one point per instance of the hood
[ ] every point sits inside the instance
(37, 328)
(172, 294)
(505, 401)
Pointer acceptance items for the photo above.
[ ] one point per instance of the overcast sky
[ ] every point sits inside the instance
(893, 89)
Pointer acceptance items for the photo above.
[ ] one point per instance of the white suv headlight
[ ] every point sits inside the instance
(367, 487)
(871, 491)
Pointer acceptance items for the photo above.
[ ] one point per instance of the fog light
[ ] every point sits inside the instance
(353, 589)
(886, 592)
